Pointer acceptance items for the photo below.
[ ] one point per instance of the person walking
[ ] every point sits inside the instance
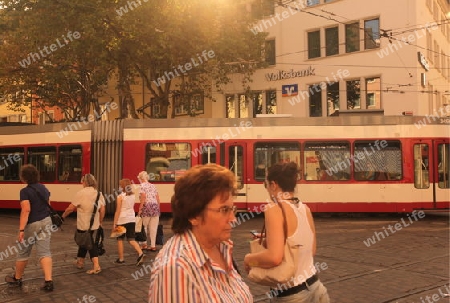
(305, 286)
(196, 264)
(149, 209)
(35, 228)
(124, 216)
(84, 203)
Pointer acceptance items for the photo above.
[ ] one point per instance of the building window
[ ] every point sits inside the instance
(312, 2)
(271, 102)
(269, 52)
(257, 100)
(371, 33)
(315, 100)
(314, 44)
(243, 106)
(429, 47)
(156, 111)
(332, 98)
(332, 41)
(352, 37)
(230, 106)
(353, 94)
(373, 95)
(189, 104)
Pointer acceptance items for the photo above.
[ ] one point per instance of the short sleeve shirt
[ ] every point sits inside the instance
(183, 272)
(84, 201)
(151, 207)
(38, 207)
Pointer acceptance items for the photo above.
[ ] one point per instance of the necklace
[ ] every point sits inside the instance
(294, 199)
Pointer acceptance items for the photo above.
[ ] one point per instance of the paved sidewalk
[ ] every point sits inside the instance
(411, 263)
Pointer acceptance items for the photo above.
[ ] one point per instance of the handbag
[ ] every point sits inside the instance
(83, 238)
(57, 220)
(282, 273)
(160, 235)
(138, 225)
(140, 234)
(99, 237)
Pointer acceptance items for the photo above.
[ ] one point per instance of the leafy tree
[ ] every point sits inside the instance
(198, 42)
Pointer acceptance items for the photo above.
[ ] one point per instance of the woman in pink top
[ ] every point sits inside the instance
(149, 209)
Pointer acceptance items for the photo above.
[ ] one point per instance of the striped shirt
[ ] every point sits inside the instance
(182, 272)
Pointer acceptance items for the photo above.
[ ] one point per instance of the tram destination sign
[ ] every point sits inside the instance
(289, 74)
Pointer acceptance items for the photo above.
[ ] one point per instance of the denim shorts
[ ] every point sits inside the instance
(37, 233)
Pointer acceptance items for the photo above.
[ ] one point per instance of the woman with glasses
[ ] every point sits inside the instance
(83, 203)
(304, 286)
(196, 264)
(149, 209)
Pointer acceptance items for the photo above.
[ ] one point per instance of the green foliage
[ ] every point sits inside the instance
(128, 39)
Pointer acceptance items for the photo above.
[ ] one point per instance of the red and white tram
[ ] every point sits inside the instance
(348, 164)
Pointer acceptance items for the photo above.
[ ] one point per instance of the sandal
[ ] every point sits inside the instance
(79, 265)
(94, 271)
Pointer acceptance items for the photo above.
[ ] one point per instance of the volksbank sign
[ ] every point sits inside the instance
(289, 74)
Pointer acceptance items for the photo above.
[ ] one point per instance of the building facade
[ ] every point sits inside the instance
(330, 57)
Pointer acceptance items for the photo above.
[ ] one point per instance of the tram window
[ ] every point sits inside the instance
(69, 164)
(44, 159)
(11, 161)
(327, 161)
(167, 161)
(236, 163)
(443, 165)
(268, 154)
(208, 154)
(421, 166)
(377, 160)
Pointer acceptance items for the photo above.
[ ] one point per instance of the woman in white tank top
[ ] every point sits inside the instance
(304, 286)
(124, 216)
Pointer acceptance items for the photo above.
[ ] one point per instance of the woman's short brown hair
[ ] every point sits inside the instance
(285, 175)
(29, 174)
(125, 184)
(195, 189)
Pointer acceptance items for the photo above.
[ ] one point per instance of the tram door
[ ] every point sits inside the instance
(441, 173)
(234, 158)
(431, 171)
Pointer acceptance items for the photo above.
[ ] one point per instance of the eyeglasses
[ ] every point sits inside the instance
(224, 210)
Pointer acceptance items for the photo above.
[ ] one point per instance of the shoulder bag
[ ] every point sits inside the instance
(57, 220)
(83, 238)
(282, 273)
